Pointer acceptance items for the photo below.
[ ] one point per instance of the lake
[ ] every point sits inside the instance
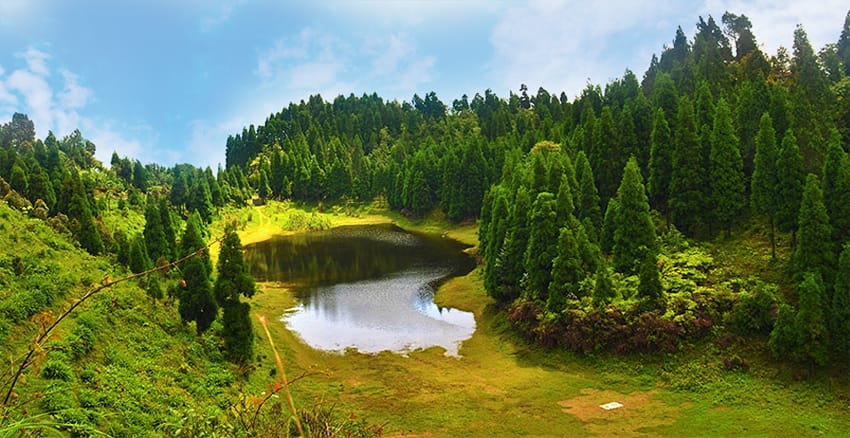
(370, 288)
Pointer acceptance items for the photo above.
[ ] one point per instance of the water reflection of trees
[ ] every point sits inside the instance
(349, 254)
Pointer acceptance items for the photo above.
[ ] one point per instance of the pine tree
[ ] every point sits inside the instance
(40, 187)
(839, 316)
(88, 235)
(634, 228)
(814, 244)
(233, 278)
(138, 260)
(234, 281)
(836, 188)
(193, 240)
(498, 231)
(609, 227)
(542, 246)
(238, 333)
(783, 337)
(765, 178)
(812, 335)
(660, 164)
(168, 228)
(196, 295)
(566, 272)
(200, 199)
(587, 204)
(726, 173)
(154, 234)
(603, 290)
(510, 261)
(649, 290)
(790, 186)
(687, 179)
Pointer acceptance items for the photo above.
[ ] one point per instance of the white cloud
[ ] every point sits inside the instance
(56, 104)
(74, 95)
(561, 44)
(396, 63)
(774, 21)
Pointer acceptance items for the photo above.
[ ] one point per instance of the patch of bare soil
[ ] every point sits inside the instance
(640, 415)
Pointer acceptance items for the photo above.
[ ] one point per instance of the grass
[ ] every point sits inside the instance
(503, 386)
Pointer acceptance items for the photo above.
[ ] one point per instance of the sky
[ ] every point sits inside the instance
(167, 81)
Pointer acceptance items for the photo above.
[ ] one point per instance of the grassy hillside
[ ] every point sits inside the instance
(126, 366)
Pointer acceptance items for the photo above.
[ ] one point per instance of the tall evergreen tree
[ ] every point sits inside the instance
(812, 335)
(814, 244)
(634, 224)
(510, 261)
(138, 259)
(154, 234)
(603, 289)
(196, 295)
(566, 272)
(542, 246)
(193, 241)
(587, 204)
(660, 164)
(609, 227)
(836, 188)
(650, 291)
(839, 316)
(763, 196)
(687, 179)
(168, 228)
(726, 174)
(790, 186)
(234, 281)
(783, 337)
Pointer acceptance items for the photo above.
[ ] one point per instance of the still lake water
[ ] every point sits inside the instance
(370, 288)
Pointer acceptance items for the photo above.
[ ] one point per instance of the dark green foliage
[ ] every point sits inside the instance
(168, 229)
(603, 289)
(839, 315)
(635, 228)
(237, 332)
(811, 330)
(88, 235)
(765, 180)
(153, 288)
(138, 260)
(609, 227)
(783, 337)
(233, 279)
(814, 244)
(542, 246)
(836, 188)
(650, 291)
(264, 190)
(196, 295)
(660, 163)
(688, 181)
(154, 233)
(755, 312)
(587, 202)
(193, 240)
(790, 186)
(510, 260)
(496, 232)
(200, 199)
(726, 175)
(566, 272)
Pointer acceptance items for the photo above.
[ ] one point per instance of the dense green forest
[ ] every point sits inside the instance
(597, 215)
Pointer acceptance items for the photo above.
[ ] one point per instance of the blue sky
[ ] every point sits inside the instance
(167, 80)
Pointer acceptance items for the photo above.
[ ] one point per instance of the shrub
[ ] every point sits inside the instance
(57, 368)
(755, 312)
